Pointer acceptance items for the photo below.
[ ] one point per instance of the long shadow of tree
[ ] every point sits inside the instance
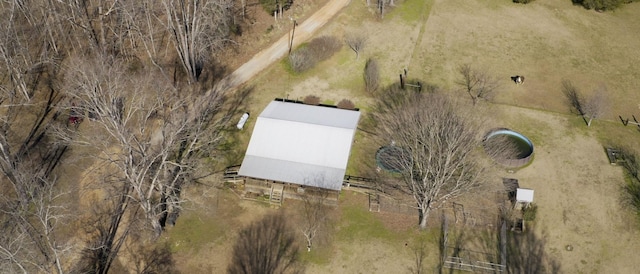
(154, 259)
(526, 254)
(266, 246)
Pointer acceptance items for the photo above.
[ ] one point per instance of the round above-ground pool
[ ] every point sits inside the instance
(390, 158)
(508, 148)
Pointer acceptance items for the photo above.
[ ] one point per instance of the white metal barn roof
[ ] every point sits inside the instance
(301, 144)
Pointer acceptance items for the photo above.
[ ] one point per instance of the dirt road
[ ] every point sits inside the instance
(266, 57)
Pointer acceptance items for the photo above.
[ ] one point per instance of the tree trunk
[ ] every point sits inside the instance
(157, 227)
(424, 214)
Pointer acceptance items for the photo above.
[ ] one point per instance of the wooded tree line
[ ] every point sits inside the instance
(114, 83)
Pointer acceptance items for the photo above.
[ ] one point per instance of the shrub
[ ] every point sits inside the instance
(318, 49)
(529, 213)
(311, 100)
(346, 104)
(371, 76)
(632, 195)
(324, 47)
(631, 191)
(301, 60)
(523, 1)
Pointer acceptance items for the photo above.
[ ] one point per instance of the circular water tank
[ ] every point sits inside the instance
(508, 148)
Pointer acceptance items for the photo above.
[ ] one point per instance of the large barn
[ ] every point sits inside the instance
(297, 148)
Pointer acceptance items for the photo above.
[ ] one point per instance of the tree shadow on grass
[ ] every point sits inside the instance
(153, 259)
(526, 254)
(266, 246)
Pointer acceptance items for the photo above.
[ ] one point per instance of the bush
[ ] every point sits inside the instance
(529, 213)
(632, 195)
(346, 104)
(318, 49)
(371, 76)
(631, 191)
(324, 47)
(523, 1)
(311, 100)
(301, 60)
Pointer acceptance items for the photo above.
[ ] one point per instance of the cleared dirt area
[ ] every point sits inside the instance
(577, 191)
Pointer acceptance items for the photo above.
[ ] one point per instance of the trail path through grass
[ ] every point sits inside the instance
(424, 16)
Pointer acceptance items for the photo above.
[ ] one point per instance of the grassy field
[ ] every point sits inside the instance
(577, 191)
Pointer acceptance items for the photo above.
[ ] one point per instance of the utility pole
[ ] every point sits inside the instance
(293, 32)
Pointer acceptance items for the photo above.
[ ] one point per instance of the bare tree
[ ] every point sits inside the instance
(145, 20)
(301, 60)
(381, 4)
(314, 213)
(476, 83)
(198, 28)
(158, 132)
(596, 104)
(436, 141)
(108, 226)
(371, 76)
(356, 42)
(588, 108)
(30, 241)
(265, 246)
(31, 207)
(573, 97)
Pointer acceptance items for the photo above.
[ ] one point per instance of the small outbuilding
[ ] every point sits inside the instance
(297, 148)
(524, 197)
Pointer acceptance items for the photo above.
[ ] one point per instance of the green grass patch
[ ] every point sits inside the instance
(413, 10)
(354, 83)
(346, 56)
(362, 154)
(329, 102)
(320, 255)
(358, 223)
(193, 232)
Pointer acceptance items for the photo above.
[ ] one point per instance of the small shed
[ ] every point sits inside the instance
(524, 197)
